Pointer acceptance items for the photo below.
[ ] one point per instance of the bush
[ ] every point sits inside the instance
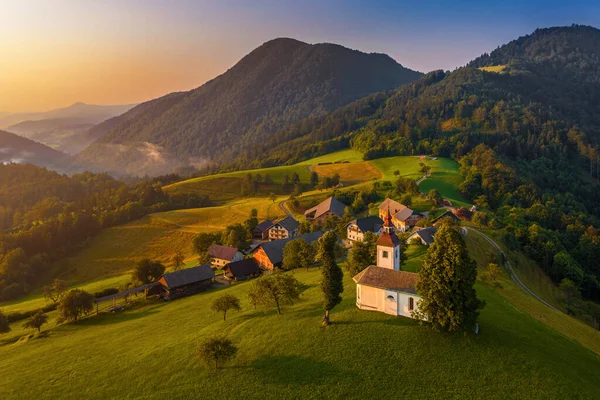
(18, 316)
(106, 292)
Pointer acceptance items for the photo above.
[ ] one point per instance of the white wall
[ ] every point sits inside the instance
(374, 299)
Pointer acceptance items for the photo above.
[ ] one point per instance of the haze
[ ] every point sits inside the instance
(57, 52)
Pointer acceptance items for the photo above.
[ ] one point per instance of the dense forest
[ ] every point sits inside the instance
(275, 85)
(45, 216)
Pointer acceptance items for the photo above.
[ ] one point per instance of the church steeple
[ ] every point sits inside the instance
(388, 245)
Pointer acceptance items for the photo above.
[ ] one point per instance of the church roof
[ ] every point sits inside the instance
(385, 278)
(388, 239)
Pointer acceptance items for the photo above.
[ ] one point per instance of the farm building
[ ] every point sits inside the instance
(222, 255)
(324, 209)
(403, 217)
(184, 282)
(270, 254)
(242, 270)
(447, 214)
(286, 228)
(261, 232)
(425, 235)
(356, 229)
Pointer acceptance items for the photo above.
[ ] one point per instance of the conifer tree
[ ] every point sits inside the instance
(332, 282)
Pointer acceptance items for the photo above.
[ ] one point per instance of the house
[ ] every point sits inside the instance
(222, 255)
(324, 209)
(269, 255)
(446, 214)
(356, 229)
(403, 217)
(261, 232)
(383, 287)
(242, 270)
(425, 235)
(184, 282)
(286, 228)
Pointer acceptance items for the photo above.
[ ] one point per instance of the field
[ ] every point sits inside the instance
(446, 178)
(408, 166)
(150, 352)
(351, 173)
(494, 68)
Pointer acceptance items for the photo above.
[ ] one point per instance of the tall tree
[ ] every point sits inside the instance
(225, 303)
(445, 284)
(276, 290)
(362, 254)
(56, 290)
(297, 254)
(332, 283)
(314, 178)
(75, 304)
(147, 271)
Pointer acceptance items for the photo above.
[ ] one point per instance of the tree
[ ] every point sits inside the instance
(447, 276)
(55, 291)
(435, 197)
(332, 283)
(75, 304)
(203, 241)
(570, 290)
(178, 260)
(314, 178)
(295, 178)
(147, 271)
(494, 271)
(297, 254)
(225, 303)
(396, 173)
(216, 350)
(406, 199)
(268, 180)
(362, 254)
(37, 320)
(277, 289)
(4, 325)
(479, 218)
(272, 197)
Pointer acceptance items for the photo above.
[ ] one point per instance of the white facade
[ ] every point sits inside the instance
(388, 257)
(388, 301)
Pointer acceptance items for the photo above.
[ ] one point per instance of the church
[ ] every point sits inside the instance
(383, 287)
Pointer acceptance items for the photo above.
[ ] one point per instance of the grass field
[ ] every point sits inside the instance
(351, 173)
(494, 68)
(408, 166)
(413, 257)
(150, 352)
(446, 178)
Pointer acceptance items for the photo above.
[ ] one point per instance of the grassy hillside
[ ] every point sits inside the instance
(364, 354)
(446, 178)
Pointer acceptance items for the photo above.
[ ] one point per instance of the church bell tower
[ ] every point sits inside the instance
(388, 246)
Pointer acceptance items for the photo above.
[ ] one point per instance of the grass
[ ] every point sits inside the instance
(413, 257)
(150, 352)
(408, 166)
(494, 68)
(446, 178)
(351, 173)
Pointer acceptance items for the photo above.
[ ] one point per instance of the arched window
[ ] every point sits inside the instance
(390, 297)
(411, 303)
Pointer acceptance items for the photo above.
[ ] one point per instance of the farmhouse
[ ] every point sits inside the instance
(324, 209)
(242, 270)
(403, 217)
(269, 255)
(286, 228)
(185, 282)
(222, 255)
(425, 235)
(384, 287)
(356, 229)
(261, 232)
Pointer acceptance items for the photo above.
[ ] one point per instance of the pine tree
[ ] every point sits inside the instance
(332, 282)
(447, 276)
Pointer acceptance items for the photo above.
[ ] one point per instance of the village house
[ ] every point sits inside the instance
(286, 228)
(383, 287)
(222, 255)
(446, 214)
(269, 255)
(242, 270)
(403, 217)
(356, 229)
(424, 235)
(261, 232)
(324, 209)
(184, 282)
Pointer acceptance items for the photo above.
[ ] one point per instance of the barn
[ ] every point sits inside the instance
(185, 282)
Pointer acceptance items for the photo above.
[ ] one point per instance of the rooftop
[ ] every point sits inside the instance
(190, 275)
(385, 278)
(331, 204)
(222, 252)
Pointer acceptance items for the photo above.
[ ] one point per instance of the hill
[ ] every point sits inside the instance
(63, 134)
(275, 85)
(17, 149)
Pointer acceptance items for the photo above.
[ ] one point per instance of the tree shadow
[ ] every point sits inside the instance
(121, 316)
(295, 370)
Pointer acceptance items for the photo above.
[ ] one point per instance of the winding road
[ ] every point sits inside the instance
(509, 267)
(285, 210)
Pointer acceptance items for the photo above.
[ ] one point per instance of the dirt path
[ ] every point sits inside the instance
(285, 210)
(509, 267)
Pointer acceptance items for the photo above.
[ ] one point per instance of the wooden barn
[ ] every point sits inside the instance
(184, 282)
(242, 270)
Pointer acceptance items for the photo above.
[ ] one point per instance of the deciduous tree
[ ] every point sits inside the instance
(362, 254)
(37, 320)
(147, 271)
(178, 260)
(275, 290)
(297, 254)
(216, 350)
(75, 304)
(56, 290)
(225, 303)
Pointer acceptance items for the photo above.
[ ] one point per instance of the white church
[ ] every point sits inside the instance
(384, 287)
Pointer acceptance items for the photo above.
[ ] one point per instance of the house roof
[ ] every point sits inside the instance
(399, 211)
(448, 213)
(331, 204)
(426, 234)
(222, 252)
(244, 267)
(190, 275)
(274, 249)
(386, 278)
(288, 223)
(368, 224)
(264, 226)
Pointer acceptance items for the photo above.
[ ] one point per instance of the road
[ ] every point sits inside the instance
(509, 267)
(285, 210)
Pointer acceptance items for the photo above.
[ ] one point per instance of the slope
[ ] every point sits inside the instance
(278, 83)
(17, 149)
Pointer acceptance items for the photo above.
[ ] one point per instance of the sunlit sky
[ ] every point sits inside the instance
(57, 52)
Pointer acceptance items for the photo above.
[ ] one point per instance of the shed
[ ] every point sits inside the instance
(186, 281)
(242, 270)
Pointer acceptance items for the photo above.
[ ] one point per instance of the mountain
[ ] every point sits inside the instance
(16, 149)
(64, 134)
(278, 83)
(89, 113)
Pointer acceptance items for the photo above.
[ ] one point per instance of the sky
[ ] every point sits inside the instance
(57, 52)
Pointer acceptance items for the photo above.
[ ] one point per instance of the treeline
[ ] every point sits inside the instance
(45, 216)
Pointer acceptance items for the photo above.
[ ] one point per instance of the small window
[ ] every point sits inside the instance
(384, 254)
(411, 303)
(390, 297)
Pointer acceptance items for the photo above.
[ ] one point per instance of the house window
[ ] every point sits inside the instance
(384, 254)
(411, 303)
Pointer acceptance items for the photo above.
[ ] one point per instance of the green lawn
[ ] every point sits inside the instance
(408, 166)
(150, 352)
(446, 178)
(413, 257)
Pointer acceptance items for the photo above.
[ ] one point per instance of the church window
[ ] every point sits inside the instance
(411, 303)
(384, 254)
